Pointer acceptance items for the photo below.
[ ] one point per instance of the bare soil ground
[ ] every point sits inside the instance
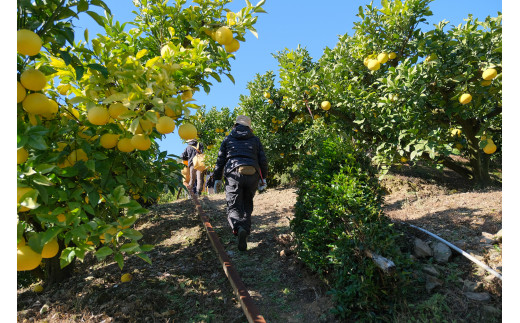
(186, 283)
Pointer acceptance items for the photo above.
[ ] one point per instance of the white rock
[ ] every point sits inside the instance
(421, 249)
(441, 252)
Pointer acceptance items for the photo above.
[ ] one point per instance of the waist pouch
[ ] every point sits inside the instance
(246, 170)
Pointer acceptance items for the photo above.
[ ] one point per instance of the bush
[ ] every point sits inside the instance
(338, 217)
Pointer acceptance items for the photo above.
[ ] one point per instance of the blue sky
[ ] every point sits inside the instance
(287, 24)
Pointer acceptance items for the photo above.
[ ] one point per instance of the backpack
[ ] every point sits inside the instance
(198, 161)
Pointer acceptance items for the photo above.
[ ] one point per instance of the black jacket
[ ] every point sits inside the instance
(240, 148)
(191, 151)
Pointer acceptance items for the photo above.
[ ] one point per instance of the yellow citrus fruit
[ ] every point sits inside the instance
(144, 126)
(187, 131)
(490, 147)
(186, 95)
(116, 109)
(126, 278)
(63, 88)
(74, 112)
(404, 159)
(38, 288)
(98, 115)
(459, 146)
(27, 259)
(61, 217)
(485, 83)
(33, 79)
(36, 103)
(465, 98)
(223, 35)
(141, 142)
(165, 125)
(53, 109)
(325, 105)
(392, 55)
(267, 95)
(456, 132)
(27, 42)
(20, 92)
(270, 101)
(382, 58)
(109, 140)
(365, 61)
(21, 155)
(373, 64)
(489, 74)
(112, 231)
(125, 145)
(232, 47)
(21, 191)
(77, 155)
(50, 249)
(21, 243)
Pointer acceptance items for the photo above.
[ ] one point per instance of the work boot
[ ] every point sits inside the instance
(242, 239)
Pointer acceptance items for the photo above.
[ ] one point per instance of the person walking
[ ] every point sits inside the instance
(241, 159)
(196, 179)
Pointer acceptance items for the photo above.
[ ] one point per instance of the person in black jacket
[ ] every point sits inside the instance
(242, 160)
(195, 175)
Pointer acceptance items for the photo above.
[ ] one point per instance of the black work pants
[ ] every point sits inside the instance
(240, 190)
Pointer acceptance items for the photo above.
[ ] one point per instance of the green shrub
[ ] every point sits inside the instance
(339, 216)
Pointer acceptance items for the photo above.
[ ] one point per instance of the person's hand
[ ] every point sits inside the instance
(217, 183)
(262, 184)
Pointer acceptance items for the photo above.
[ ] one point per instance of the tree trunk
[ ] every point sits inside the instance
(55, 274)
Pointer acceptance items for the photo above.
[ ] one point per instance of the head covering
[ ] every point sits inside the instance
(244, 120)
(191, 142)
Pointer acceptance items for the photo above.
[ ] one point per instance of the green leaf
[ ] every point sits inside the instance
(66, 57)
(115, 97)
(85, 35)
(100, 20)
(44, 168)
(37, 142)
(132, 234)
(80, 70)
(50, 234)
(36, 243)
(103, 252)
(129, 247)
(83, 6)
(100, 68)
(89, 209)
(41, 180)
(67, 255)
(147, 247)
(231, 78)
(144, 257)
(118, 257)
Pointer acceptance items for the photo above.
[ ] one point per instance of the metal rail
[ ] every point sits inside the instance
(249, 308)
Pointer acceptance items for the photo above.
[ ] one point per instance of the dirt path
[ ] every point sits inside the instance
(282, 289)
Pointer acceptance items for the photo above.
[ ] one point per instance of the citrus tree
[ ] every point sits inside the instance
(406, 94)
(89, 115)
(290, 120)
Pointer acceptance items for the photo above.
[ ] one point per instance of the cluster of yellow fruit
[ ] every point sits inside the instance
(219, 130)
(28, 259)
(33, 80)
(224, 36)
(374, 62)
(488, 75)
